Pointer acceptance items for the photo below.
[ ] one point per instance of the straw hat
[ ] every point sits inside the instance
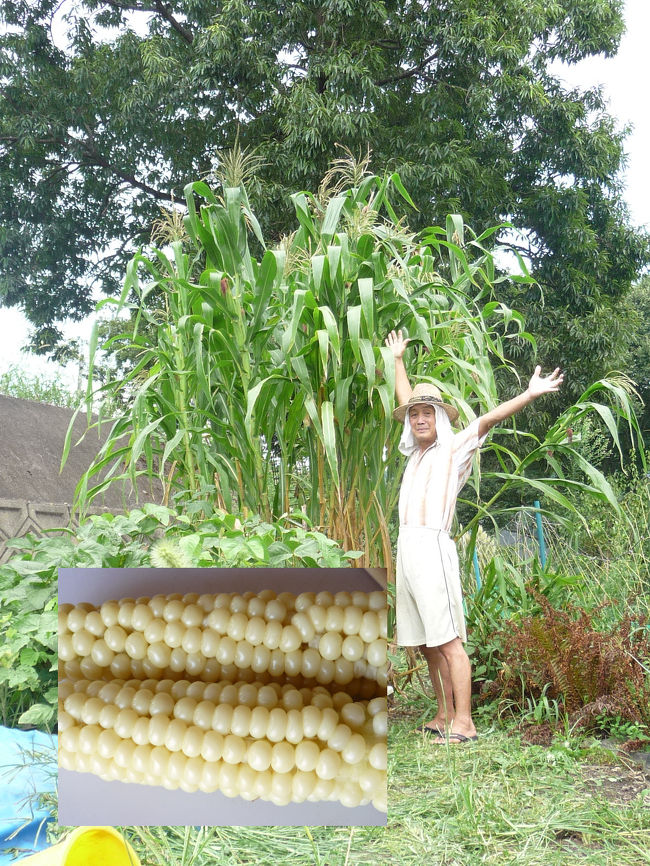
(426, 393)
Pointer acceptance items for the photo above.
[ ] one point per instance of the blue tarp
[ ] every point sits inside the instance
(28, 768)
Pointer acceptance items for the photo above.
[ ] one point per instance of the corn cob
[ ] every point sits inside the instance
(278, 697)
(286, 636)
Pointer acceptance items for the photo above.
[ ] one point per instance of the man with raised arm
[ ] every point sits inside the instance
(429, 604)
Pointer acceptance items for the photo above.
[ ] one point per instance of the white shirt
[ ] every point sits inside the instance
(433, 479)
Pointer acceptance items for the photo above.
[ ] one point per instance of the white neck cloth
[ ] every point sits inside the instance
(444, 433)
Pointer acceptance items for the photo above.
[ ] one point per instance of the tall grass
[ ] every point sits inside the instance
(267, 379)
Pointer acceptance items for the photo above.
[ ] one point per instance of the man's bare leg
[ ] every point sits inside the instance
(441, 679)
(460, 673)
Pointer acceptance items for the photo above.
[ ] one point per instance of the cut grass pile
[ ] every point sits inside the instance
(267, 846)
(255, 846)
(495, 802)
(500, 802)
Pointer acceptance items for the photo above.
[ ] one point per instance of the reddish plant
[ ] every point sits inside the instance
(591, 673)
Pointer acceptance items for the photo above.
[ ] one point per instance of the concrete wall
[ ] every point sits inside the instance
(34, 494)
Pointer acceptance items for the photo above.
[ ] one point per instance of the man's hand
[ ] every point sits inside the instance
(397, 343)
(547, 385)
(536, 387)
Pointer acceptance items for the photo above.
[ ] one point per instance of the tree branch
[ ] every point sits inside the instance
(158, 9)
(408, 73)
(98, 159)
(102, 265)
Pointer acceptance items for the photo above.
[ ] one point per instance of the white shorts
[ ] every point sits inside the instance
(429, 601)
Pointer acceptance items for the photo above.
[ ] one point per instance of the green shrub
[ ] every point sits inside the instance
(154, 535)
(28, 641)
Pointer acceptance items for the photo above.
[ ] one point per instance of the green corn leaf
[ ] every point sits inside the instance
(389, 371)
(263, 289)
(300, 368)
(170, 447)
(303, 213)
(329, 439)
(367, 304)
(317, 266)
(289, 335)
(332, 330)
(342, 401)
(330, 222)
(354, 330)
(399, 186)
(312, 411)
(368, 358)
(334, 261)
(323, 347)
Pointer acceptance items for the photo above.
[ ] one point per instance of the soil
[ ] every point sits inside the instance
(617, 784)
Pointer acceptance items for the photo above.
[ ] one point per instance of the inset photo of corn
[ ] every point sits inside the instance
(222, 696)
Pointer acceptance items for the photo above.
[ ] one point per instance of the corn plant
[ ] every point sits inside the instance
(267, 378)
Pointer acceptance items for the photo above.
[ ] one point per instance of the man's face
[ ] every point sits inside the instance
(423, 424)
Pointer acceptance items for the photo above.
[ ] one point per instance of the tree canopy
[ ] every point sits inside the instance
(109, 108)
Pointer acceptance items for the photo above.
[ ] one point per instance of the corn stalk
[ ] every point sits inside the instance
(267, 380)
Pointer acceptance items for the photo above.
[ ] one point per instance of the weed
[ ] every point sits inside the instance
(560, 655)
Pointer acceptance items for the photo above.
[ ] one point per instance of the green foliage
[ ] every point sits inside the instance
(152, 536)
(637, 361)
(16, 383)
(567, 474)
(621, 539)
(459, 98)
(28, 640)
(542, 710)
(621, 728)
(269, 378)
(221, 540)
(266, 376)
(510, 590)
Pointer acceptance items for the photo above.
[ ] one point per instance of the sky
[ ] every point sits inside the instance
(622, 80)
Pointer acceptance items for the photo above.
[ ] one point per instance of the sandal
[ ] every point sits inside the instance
(426, 729)
(456, 738)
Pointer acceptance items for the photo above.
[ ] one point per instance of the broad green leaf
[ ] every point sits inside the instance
(317, 266)
(332, 330)
(323, 348)
(354, 330)
(331, 220)
(399, 186)
(329, 439)
(368, 358)
(289, 336)
(264, 287)
(367, 304)
(312, 411)
(38, 715)
(303, 213)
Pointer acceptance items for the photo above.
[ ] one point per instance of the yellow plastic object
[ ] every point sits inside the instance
(99, 846)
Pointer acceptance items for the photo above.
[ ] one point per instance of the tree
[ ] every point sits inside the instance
(456, 96)
(638, 361)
